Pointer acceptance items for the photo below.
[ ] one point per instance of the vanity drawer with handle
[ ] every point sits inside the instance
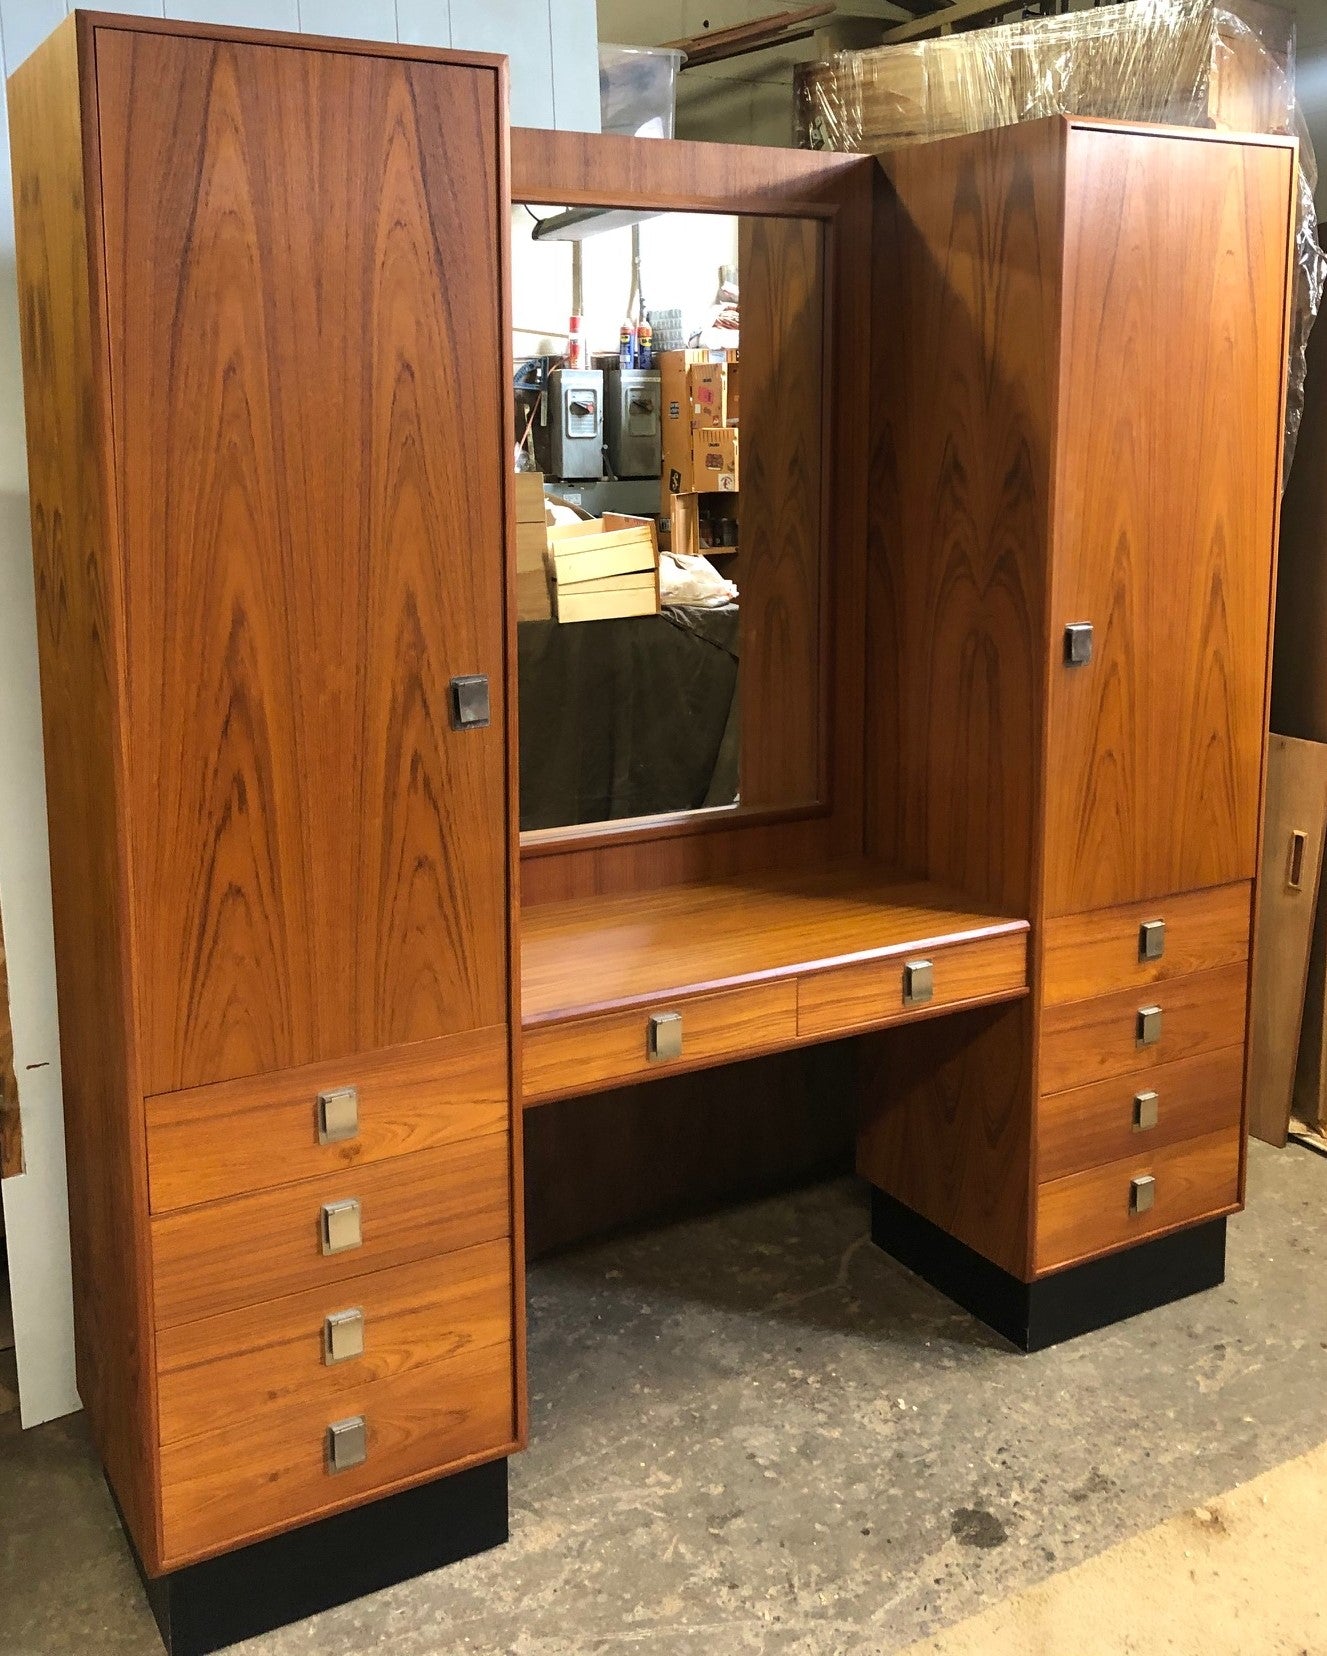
(1138, 1029)
(869, 994)
(225, 1255)
(1125, 1201)
(235, 1137)
(1141, 943)
(1134, 1114)
(303, 1458)
(624, 1047)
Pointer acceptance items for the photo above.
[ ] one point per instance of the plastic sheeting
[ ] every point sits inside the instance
(1180, 62)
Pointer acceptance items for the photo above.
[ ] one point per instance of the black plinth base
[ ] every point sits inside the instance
(205, 1607)
(1035, 1315)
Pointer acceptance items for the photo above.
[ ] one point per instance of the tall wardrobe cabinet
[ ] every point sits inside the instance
(263, 289)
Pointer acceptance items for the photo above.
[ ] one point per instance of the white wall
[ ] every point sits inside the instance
(554, 82)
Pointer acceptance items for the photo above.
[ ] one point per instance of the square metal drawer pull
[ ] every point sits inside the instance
(338, 1115)
(1151, 940)
(1144, 1111)
(341, 1227)
(470, 703)
(665, 1036)
(1078, 644)
(918, 982)
(343, 1336)
(1142, 1193)
(347, 1443)
(1149, 1025)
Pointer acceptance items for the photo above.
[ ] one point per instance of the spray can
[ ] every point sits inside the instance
(644, 346)
(626, 345)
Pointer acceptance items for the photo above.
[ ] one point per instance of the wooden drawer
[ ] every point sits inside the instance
(222, 1373)
(869, 993)
(1089, 1213)
(234, 1485)
(240, 1136)
(1087, 1041)
(1094, 1124)
(1097, 953)
(214, 1259)
(567, 1058)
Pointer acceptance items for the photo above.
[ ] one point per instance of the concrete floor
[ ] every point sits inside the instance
(755, 1432)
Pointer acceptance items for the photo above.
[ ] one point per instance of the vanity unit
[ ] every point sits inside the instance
(1005, 608)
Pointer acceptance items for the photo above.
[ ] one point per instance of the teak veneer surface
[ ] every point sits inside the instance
(306, 339)
(597, 954)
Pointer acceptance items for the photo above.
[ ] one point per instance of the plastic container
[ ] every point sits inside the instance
(638, 89)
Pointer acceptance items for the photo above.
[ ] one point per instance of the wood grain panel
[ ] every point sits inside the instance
(233, 1487)
(77, 578)
(847, 999)
(1088, 1213)
(784, 686)
(945, 1126)
(1294, 829)
(1091, 954)
(562, 1059)
(225, 1373)
(604, 953)
(1156, 746)
(237, 1137)
(565, 167)
(1090, 1125)
(966, 271)
(307, 346)
(1084, 1041)
(213, 1259)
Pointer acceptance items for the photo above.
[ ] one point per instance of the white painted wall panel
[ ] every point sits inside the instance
(547, 70)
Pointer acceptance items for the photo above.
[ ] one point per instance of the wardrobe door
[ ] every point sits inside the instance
(1172, 362)
(305, 316)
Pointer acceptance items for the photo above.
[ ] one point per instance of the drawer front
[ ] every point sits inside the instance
(1095, 954)
(873, 993)
(1095, 1124)
(1087, 1041)
(558, 1059)
(215, 1259)
(1094, 1212)
(241, 1136)
(234, 1485)
(223, 1373)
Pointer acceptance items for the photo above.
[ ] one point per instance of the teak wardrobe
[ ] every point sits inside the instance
(264, 303)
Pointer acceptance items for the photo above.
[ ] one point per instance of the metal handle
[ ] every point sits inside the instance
(1295, 873)
(1149, 1025)
(341, 1226)
(338, 1115)
(1142, 1193)
(1146, 1110)
(664, 1037)
(470, 701)
(1151, 940)
(347, 1443)
(343, 1336)
(1078, 644)
(918, 982)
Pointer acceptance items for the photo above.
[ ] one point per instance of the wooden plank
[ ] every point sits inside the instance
(1293, 835)
(1087, 1041)
(237, 1137)
(605, 954)
(216, 1258)
(288, 682)
(76, 569)
(1157, 743)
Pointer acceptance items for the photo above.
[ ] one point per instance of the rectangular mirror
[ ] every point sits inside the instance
(671, 413)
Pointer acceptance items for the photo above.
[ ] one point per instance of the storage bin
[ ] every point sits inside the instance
(638, 89)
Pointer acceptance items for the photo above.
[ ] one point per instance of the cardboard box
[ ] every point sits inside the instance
(534, 602)
(697, 389)
(715, 453)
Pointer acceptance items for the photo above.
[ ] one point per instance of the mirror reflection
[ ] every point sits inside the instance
(668, 510)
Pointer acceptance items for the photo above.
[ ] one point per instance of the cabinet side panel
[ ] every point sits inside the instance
(79, 628)
(1174, 364)
(966, 260)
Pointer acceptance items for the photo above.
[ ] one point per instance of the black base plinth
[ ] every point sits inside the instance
(1076, 1301)
(205, 1607)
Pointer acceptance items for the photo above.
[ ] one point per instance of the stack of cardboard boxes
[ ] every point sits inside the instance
(701, 452)
(533, 602)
